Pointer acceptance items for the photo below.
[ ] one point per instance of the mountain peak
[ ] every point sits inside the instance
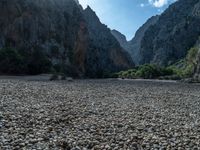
(89, 9)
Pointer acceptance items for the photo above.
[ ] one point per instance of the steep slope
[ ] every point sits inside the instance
(176, 30)
(135, 43)
(59, 29)
(107, 52)
(133, 46)
(121, 39)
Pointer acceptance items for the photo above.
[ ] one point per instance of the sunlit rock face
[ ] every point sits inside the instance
(60, 29)
(165, 39)
(175, 32)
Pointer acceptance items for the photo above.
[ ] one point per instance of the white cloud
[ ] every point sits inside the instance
(142, 5)
(158, 3)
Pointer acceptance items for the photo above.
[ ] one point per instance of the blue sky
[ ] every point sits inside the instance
(126, 16)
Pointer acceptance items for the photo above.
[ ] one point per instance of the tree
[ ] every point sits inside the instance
(11, 62)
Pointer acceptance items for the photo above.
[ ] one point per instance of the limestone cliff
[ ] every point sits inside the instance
(175, 32)
(60, 29)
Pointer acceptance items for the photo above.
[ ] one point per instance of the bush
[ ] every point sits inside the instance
(39, 63)
(14, 61)
(185, 67)
(147, 71)
(191, 56)
(182, 69)
(11, 62)
(54, 77)
(58, 68)
(166, 71)
(63, 76)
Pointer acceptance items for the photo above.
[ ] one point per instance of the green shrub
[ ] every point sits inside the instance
(11, 62)
(14, 61)
(63, 76)
(166, 71)
(39, 63)
(182, 69)
(147, 71)
(185, 67)
(191, 56)
(54, 77)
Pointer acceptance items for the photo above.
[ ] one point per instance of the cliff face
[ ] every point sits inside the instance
(176, 30)
(197, 69)
(61, 29)
(135, 43)
(107, 54)
(122, 40)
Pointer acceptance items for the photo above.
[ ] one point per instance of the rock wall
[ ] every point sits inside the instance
(61, 30)
(175, 32)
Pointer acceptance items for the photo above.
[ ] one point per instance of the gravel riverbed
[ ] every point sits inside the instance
(98, 115)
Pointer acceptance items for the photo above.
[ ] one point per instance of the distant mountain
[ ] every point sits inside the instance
(165, 39)
(121, 39)
(133, 46)
(175, 32)
(104, 50)
(135, 43)
(72, 39)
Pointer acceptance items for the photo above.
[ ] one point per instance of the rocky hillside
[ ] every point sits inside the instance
(197, 69)
(64, 32)
(135, 43)
(175, 32)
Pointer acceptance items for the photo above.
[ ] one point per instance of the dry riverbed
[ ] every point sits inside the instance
(99, 114)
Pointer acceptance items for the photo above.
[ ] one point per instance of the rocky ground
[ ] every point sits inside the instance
(99, 114)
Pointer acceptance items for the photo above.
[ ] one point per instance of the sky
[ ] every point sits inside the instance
(126, 16)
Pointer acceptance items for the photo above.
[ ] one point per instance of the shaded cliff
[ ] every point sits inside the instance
(62, 32)
(176, 30)
(122, 40)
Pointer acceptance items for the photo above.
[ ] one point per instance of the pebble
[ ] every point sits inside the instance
(98, 114)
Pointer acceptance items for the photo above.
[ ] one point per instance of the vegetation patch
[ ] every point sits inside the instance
(185, 67)
(147, 71)
(10, 61)
(14, 61)
(182, 69)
